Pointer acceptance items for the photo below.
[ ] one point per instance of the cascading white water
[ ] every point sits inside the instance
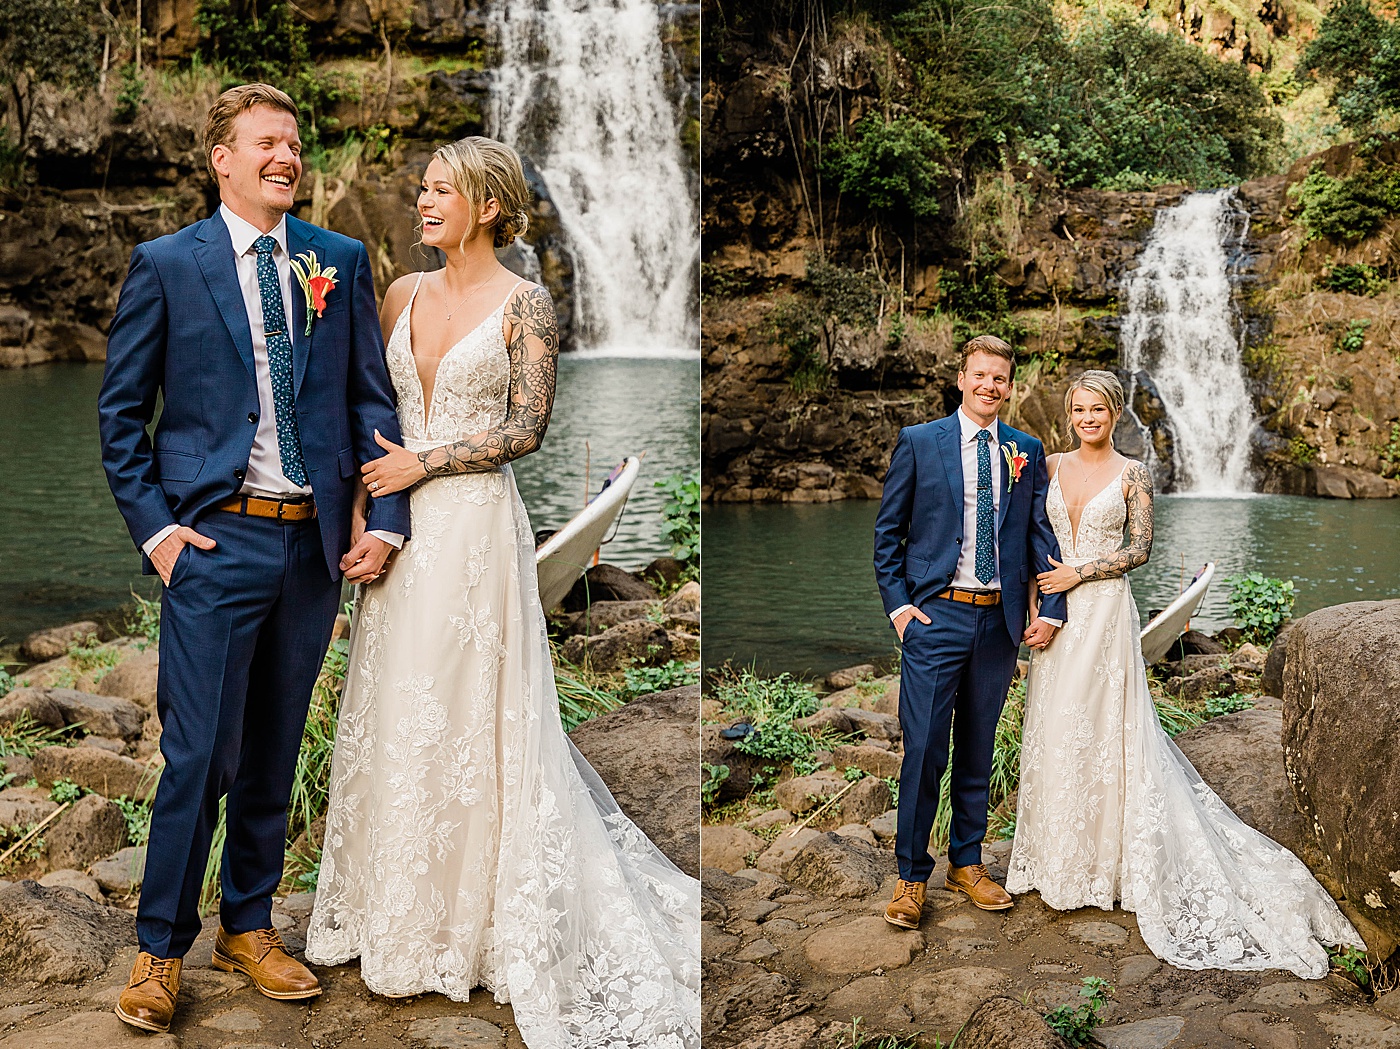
(1181, 328)
(581, 91)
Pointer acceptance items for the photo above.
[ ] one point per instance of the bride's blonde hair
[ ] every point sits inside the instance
(1100, 383)
(483, 169)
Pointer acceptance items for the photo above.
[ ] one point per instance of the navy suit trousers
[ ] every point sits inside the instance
(244, 630)
(954, 674)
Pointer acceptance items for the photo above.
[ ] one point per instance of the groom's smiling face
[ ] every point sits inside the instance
(985, 382)
(260, 171)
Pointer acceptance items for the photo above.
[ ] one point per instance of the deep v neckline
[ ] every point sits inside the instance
(1074, 525)
(407, 318)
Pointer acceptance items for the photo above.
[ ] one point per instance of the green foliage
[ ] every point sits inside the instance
(1300, 451)
(1076, 1025)
(761, 700)
(45, 42)
(130, 95)
(1353, 338)
(1231, 704)
(717, 282)
(1354, 279)
(1174, 718)
(797, 323)
(1260, 605)
(1001, 826)
(1390, 467)
(854, 773)
(643, 681)
(715, 775)
(680, 517)
(138, 818)
(1357, 54)
(7, 682)
(1347, 208)
(1351, 961)
(143, 623)
(889, 165)
(893, 783)
(858, 1039)
(64, 791)
(579, 700)
(25, 737)
(848, 296)
(88, 655)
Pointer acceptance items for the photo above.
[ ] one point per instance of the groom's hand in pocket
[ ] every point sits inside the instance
(904, 618)
(167, 553)
(1039, 633)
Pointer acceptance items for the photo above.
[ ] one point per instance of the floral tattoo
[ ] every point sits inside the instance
(1138, 480)
(534, 367)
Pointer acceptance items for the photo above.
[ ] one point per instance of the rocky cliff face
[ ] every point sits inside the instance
(1329, 418)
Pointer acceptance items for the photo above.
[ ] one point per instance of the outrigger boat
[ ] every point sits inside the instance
(566, 555)
(1166, 626)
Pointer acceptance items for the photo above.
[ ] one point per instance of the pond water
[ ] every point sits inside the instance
(65, 553)
(793, 588)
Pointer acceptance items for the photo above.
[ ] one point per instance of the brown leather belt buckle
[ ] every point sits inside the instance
(980, 598)
(275, 509)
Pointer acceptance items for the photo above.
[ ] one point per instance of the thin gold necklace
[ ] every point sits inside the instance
(468, 295)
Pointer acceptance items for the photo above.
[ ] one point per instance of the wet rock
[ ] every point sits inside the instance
(58, 935)
(862, 946)
(1004, 1023)
(89, 1029)
(72, 879)
(455, 1032)
(608, 583)
(122, 873)
(59, 707)
(875, 761)
(1156, 1033)
(21, 806)
(728, 847)
(43, 645)
(847, 677)
(1343, 671)
(134, 678)
(833, 865)
(110, 775)
(866, 800)
(638, 641)
(645, 753)
(91, 829)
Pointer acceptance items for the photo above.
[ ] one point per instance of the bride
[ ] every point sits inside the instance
(1109, 809)
(467, 842)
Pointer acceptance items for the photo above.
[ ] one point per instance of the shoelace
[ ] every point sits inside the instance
(158, 968)
(269, 939)
(907, 888)
(979, 869)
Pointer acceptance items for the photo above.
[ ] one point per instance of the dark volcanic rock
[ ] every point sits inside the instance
(1004, 1023)
(58, 935)
(59, 707)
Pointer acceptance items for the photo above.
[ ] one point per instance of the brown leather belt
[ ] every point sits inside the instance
(982, 598)
(277, 509)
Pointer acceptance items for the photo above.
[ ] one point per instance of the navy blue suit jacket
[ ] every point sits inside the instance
(919, 529)
(181, 330)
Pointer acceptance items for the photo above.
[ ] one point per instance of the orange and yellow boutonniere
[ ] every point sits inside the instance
(316, 284)
(1016, 461)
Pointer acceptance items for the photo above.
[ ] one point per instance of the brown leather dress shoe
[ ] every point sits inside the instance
(907, 907)
(149, 999)
(981, 890)
(262, 956)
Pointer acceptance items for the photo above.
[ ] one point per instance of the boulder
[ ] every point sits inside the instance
(1333, 481)
(601, 616)
(645, 753)
(847, 677)
(728, 848)
(43, 645)
(1196, 643)
(21, 806)
(862, 946)
(608, 583)
(91, 829)
(1203, 684)
(832, 718)
(134, 678)
(664, 572)
(638, 641)
(804, 793)
(715, 750)
(122, 873)
(110, 775)
(837, 865)
(1004, 1023)
(872, 760)
(1341, 743)
(84, 883)
(1272, 682)
(686, 599)
(776, 858)
(19, 767)
(874, 724)
(60, 707)
(58, 935)
(866, 800)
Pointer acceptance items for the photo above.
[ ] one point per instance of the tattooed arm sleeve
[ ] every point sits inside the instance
(534, 365)
(1138, 481)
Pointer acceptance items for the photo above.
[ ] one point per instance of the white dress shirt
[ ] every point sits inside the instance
(965, 575)
(264, 476)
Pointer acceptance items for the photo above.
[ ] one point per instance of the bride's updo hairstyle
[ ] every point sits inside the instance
(483, 169)
(1100, 383)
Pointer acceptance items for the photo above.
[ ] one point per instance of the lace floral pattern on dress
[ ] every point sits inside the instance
(1109, 809)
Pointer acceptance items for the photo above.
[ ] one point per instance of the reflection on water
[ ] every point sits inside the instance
(65, 554)
(793, 588)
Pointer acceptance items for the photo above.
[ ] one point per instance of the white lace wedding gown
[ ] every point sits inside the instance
(467, 842)
(1109, 808)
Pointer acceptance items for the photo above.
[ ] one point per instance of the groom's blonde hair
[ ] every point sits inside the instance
(483, 169)
(1101, 384)
(218, 124)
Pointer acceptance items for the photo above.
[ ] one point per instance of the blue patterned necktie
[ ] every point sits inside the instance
(986, 565)
(279, 362)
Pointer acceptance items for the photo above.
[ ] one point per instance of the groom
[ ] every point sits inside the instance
(274, 382)
(960, 532)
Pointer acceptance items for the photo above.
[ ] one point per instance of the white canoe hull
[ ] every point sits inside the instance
(1166, 626)
(567, 554)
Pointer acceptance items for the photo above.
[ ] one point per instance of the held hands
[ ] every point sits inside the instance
(365, 560)
(392, 472)
(903, 619)
(1058, 579)
(167, 552)
(1039, 633)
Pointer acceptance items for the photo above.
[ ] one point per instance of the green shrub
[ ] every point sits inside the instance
(1354, 279)
(138, 818)
(1300, 451)
(1076, 1026)
(1216, 706)
(64, 791)
(1260, 605)
(715, 775)
(764, 699)
(130, 95)
(1351, 962)
(680, 517)
(889, 165)
(1353, 338)
(1347, 208)
(643, 681)
(143, 623)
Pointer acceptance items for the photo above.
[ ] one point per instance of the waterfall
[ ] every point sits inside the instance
(581, 91)
(1181, 328)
